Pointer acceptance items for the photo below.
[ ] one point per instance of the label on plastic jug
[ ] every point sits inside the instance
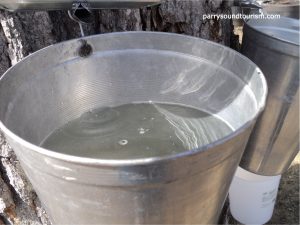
(268, 197)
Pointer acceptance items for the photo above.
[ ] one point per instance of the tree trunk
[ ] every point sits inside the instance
(22, 33)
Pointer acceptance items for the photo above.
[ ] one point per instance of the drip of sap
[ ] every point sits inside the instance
(137, 131)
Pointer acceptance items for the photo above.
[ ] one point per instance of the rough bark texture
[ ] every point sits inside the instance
(22, 33)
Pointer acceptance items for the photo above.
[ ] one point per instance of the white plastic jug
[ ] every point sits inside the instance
(252, 197)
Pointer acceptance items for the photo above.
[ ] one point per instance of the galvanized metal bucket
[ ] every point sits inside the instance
(59, 83)
(288, 8)
(15, 5)
(274, 46)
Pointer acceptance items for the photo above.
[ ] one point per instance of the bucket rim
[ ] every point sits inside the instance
(139, 161)
(284, 19)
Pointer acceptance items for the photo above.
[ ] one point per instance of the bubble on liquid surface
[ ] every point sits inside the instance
(143, 130)
(123, 142)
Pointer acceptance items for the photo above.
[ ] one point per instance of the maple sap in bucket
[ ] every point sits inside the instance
(137, 131)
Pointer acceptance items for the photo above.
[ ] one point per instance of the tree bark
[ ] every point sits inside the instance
(22, 33)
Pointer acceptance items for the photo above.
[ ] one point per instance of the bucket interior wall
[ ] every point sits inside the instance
(57, 86)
